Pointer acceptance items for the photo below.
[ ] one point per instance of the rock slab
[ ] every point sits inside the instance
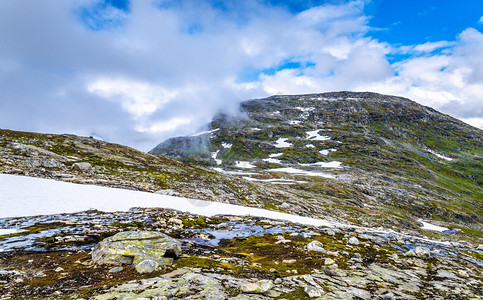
(145, 250)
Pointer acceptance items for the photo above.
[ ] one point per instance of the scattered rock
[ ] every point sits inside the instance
(115, 269)
(7, 275)
(353, 241)
(167, 192)
(147, 266)
(258, 287)
(289, 261)
(316, 246)
(312, 292)
(283, 241)
(82, 167)
(422, 252)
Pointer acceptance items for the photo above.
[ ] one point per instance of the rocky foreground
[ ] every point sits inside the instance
(228, 257)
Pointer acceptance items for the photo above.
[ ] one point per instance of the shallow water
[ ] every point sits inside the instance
(48, 227)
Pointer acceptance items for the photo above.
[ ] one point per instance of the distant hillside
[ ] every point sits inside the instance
(366, 157)
(54, 156)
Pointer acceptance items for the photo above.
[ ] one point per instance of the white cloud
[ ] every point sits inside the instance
(451, 82)
(152, 72)
(430, 46)
(138, 98)
(165, 126)
(476, 122)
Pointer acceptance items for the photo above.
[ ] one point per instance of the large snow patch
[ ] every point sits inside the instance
(30, 196)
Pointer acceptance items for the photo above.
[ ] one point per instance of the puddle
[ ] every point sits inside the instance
(231, 230)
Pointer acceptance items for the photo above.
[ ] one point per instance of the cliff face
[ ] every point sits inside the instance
(363, 156)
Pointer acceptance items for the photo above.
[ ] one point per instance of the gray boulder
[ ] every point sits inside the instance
(82, 167)
(145, 250)
(422, 252)
(353, 241)
(316, 246)
(258, 287)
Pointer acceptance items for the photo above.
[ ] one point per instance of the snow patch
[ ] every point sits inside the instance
(295, 122)
(10, 231)
(205, 132)
(327, 151)
(275, 155)
(305, 109)
(214, 155)
(440, 156)
(275, 180)
(315, 136)
(29, 196)
(429, 226)
(272, 160)
(226, 145)
(282, 143)
(332, 164)
(309, 146)
(233, 172)
(244, 165)
(295, 171)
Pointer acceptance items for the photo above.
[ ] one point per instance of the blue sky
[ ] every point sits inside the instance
(138, 72)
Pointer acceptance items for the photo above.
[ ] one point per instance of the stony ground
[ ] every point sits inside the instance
(228, 257)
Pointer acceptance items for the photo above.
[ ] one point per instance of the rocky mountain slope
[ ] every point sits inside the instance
(368, 158)
(55, 156)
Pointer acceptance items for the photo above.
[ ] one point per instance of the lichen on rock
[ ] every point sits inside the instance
(145, 250)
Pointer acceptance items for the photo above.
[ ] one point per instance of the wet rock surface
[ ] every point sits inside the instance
(229, 257)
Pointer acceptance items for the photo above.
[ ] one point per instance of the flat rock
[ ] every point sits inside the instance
(258, 287)
(82, 167)
(145, 250)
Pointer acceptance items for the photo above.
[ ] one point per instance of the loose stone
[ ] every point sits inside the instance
(258, 287)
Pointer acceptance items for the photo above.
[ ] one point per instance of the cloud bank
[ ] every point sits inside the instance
(140, 73)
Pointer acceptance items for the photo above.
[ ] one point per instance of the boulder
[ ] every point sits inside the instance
(422, 252)
(145, 250)
(312, 292)
(82, 167)
(258, 287)
(316, 246)
(353, 241)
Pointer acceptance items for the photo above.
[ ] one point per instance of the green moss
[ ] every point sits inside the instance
(134, 224)
(297, 294)
(37, 227)
(202, 262)
(197, 223)
(475, 254)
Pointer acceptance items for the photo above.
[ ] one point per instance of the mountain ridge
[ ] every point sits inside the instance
(385, 141)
